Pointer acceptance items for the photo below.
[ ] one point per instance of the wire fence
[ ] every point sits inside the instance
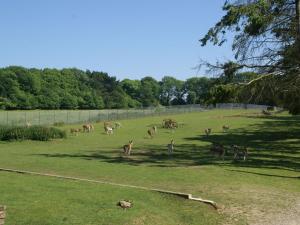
(52, 117)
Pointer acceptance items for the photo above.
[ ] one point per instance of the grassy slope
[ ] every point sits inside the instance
(263, 185)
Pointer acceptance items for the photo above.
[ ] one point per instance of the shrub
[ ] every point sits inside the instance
(38, 133)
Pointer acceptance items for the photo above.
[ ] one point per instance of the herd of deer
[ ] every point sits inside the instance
(239, 152)
(218, 149)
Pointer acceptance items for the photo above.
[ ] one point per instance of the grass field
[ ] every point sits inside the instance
(263, 190)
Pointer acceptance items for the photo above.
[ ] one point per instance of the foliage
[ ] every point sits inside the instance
(38, 133)
(267, 39)
(223, 94)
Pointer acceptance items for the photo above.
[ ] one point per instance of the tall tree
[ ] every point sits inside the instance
(267, 33)
(267, 39)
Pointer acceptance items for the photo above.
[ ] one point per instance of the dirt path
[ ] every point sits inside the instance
(262, 207)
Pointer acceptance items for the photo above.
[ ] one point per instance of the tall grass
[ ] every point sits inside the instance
(38, 133)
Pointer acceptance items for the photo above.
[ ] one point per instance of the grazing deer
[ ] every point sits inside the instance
(87, 127)
(239, 152)
(218, 149)
(171, 147)
(75, 131)
(127, 148)
(152, 131)
(109, 130)
(207, 131)
(225, 128)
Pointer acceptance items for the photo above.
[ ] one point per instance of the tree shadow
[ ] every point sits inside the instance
(272, 143)
(151, 155)
(265, 174)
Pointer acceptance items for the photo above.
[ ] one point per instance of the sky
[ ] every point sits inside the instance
(126, 39)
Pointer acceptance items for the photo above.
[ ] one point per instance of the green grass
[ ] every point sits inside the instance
(267, 183)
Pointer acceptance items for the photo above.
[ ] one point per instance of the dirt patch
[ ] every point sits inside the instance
(263, 207)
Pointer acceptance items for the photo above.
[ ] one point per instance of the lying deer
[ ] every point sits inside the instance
(75, 131)
(171, 147)
(218, 149)
(127, 148)
(239, 152)
(207, 131)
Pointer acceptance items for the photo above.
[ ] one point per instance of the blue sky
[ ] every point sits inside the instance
(127, 39)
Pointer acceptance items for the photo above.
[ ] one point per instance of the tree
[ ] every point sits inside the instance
(266, 32)
(171, 90)
(267, 39)
(149, 93)
(200, 86)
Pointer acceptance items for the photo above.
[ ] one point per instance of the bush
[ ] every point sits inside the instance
(38, 133)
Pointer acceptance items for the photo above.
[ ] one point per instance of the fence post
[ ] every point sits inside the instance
(6, 117)
(25, 116)
(67, 116)
(39, 117)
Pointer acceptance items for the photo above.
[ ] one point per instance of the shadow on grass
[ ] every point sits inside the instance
(152, 155)
(264, 174)
(274, 143)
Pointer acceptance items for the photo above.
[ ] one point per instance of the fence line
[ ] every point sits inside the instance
(50, 117)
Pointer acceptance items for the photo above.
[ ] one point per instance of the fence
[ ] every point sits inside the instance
(50, 117)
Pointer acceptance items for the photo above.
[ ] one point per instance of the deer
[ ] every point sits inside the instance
(75, 131)
(107, 124)
(208, 131)
(28, 124)
(108, 130)
(127, 148)
(239, 151)
(152, 131)
(225, 128)
(218, 149)
(87, 127)
(171, 147)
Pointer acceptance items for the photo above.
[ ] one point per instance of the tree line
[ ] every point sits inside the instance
(71, 88)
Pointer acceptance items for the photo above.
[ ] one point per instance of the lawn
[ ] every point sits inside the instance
(263, 189)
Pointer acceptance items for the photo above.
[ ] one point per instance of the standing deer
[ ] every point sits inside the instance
(152, 131)
(171, 147)
(127, 148)
(207, 131)
(108, 130)
(239, 152)
(218, 149)
(87, 127)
